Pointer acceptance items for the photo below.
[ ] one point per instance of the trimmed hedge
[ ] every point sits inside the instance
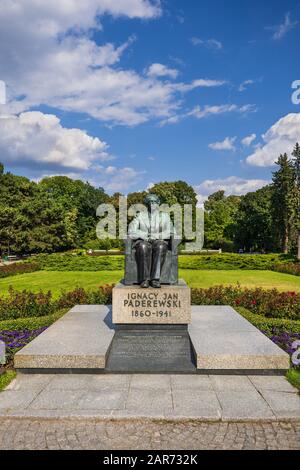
(31, 323)
(18, 268)
(293, 269)
(81, 262)
(269, 324)
(234, 261)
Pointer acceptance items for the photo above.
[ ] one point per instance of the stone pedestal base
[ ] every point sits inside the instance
(151, 349)
(170, 305)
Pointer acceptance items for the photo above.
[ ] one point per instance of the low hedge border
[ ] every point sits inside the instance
(268, 324)
(18, 268)
(31, 323)
(81, 262)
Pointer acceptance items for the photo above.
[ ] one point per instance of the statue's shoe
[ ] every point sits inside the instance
(145, 284)
(155, 283)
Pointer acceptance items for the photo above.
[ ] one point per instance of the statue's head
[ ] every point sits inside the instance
(152, 201)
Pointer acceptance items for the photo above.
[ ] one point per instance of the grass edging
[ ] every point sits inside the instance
(293, 377)
(6, 378)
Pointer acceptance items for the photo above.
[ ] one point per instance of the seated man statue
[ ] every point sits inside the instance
(151, 232)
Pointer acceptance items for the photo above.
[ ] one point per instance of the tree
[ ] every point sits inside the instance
(254, 221)
(296, 165)
(220, 220)
(75, 194)
(177, 192)
(283, 201)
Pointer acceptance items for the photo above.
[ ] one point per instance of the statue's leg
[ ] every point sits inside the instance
(143, 259)
(159, 251)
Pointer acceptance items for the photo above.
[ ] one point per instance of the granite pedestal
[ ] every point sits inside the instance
(86, 341)
(151, 329)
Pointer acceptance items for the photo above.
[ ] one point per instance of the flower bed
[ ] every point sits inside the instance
(268, 303)
(17, 339)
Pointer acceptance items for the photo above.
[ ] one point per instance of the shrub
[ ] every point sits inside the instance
(28, 304)
(233, 261)
(25, 304)
(270, 303)
(289, 268)
(76, 262)
(18, 268)
(270, 325)
(31, 323)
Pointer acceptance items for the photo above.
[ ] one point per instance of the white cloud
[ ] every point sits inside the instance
(205, 111)
(202, 112)
(199, 83)
(160, 70)
(226, 144)
(245, 84)
(209, 43)
(47, 64)
(118, 179)
(281, 30)
(280, 138)
(247, 141)
(40, 140)
(232, 185)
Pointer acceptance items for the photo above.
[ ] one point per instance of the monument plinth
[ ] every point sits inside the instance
(169, 305)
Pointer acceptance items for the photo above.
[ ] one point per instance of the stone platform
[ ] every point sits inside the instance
(222, 341)
(79, 340)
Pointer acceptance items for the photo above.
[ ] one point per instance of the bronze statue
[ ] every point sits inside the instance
(150, 234)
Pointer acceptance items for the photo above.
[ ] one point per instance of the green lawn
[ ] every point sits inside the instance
(68, 280)
(293, 376)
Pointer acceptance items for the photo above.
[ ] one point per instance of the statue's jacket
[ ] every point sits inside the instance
(156, 226)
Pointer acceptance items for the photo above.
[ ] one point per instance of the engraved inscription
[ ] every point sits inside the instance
(151, 346)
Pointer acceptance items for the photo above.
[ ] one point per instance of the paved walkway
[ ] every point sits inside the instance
(208, 398)
(149, 412)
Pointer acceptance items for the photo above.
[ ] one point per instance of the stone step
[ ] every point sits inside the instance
(223, 340)
(79, 340)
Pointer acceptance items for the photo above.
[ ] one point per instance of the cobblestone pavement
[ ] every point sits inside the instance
(146, 435)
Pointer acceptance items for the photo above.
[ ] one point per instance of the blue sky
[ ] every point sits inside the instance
(128, 93)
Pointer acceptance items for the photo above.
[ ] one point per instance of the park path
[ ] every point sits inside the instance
(68, 411)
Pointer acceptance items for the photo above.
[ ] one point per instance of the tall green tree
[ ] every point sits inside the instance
(283, 201)
(296, 164)
(253, 228)
(220, 220)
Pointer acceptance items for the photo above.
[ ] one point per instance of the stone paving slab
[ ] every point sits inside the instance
(175, 397)
(224, 340)
(80, 339)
